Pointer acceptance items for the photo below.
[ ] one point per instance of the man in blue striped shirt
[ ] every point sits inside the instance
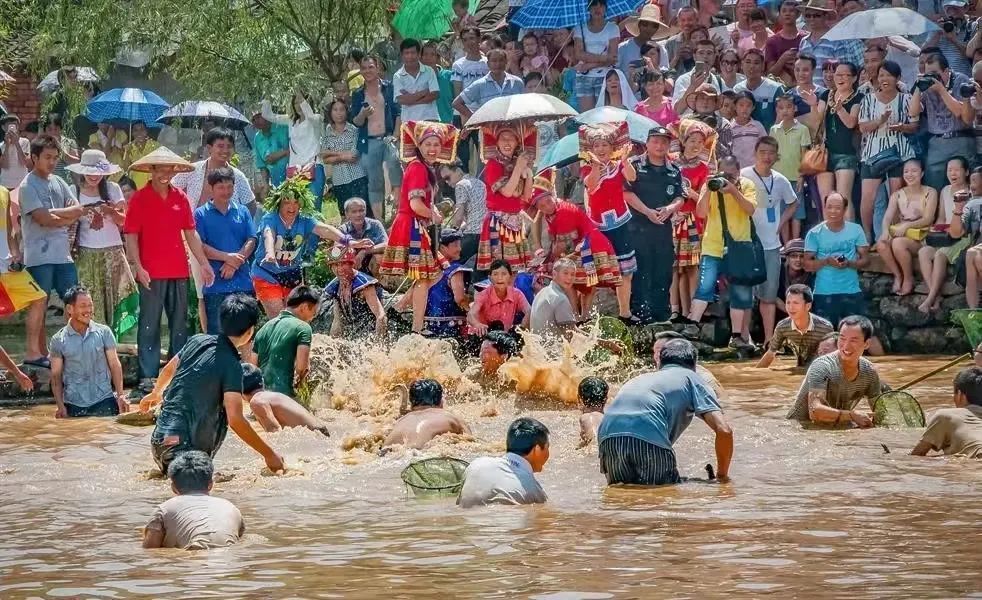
(818, 20)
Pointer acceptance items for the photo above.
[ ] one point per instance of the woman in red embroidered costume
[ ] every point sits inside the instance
(698, 142)
(509, 153)
(604, 150)
(572, 233)
(410, 252)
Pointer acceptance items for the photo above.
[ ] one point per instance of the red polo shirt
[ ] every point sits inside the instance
(160, 224)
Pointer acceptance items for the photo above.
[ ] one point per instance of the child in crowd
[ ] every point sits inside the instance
(593, 396)
(746, 131)
(727, 105)
(793, 138)
(193, 520)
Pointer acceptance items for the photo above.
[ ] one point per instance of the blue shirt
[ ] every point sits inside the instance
(277, 140)
(85, 372)
(486, 88)
(291, 246)
(226, 233)
(657, 407)
(824, 243)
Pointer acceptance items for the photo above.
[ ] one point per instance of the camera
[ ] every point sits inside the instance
(948, 25)
(924, 82)
(717, 182)
(967, 90)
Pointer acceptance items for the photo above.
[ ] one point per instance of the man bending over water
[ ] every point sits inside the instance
(509, 479)
(202, 391)
(649, 414)
(836, 382)
(426, 419)
(274, 410)
(957, 430)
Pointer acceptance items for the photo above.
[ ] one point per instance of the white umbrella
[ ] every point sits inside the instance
(881, 22)
(535, 107)
(6, 78)
(50, 82)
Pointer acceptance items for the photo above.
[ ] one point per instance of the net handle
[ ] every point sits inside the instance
(943, 367)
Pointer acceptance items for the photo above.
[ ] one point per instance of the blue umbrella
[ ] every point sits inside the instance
(127, 104)
(556, 14)
(637, 125)
(560, 154)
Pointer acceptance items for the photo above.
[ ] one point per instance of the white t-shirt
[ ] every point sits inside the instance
(425, 80)
(597, 43)
(108, 235)
(774, 194)
(504, 479)
(12, 172)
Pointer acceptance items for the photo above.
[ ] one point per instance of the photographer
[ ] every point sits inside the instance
(738, 197)
(956, 31)
(944, 98)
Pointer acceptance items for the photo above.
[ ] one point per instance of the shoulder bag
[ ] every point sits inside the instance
(815, 160)
(743, 262)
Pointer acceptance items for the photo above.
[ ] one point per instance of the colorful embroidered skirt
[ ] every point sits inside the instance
(409, 253)
(688, 247)
(502, 236)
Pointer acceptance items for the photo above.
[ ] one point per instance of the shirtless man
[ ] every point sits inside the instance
(274, 410)
(426, 419)
(593, 395)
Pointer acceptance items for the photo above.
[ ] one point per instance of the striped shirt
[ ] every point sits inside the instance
(871, 109)
(347, 141)
(486, 88)
(825, 374)
(826, 50)
(804, 344)
(470, 197)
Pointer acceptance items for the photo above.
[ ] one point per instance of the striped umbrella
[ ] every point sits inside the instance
(191, 113)
(127, 104)
(556, 14)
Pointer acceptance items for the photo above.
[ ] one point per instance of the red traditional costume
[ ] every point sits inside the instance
(695, 172)
(606, 205)
(410, 251)
(572, 232)
(503, 230)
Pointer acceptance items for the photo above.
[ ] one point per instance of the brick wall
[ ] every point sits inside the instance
(22, 97)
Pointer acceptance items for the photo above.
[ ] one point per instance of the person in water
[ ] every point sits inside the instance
(426, 418)
(592, 392)
(650, 412)
(274, 410)
(509, 479)
(835, 383)
(282, 345)
(201, 391)
(193, 519)
(957, 430)
(801, 331)
(661, 338)
(496, 348)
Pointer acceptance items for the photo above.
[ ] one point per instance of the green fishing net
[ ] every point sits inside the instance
(612, 328)
(897, 410)
(971, 321)
(435, 477)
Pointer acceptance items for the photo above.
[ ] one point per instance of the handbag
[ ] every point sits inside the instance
(914, 233)
(939, 239)
(883, 161)
(815, 160)
(743, 262)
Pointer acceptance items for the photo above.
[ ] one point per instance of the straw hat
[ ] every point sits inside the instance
(817, 6)
(705, 89)
(162, 157)
(94, 162)
(650, 13)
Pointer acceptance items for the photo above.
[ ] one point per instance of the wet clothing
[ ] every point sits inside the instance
(504, 479)
(444, 317)
(804, 344)
(656, 186)
(276, 345)
(825, 374)
(103, 408)
(192, 416)
(551, 310)
(291, 246)
(197, 522)
(357, 318)
(85, 375)
(956, 431)
(631, 460)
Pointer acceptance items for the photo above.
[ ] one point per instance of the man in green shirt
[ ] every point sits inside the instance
(283, 343)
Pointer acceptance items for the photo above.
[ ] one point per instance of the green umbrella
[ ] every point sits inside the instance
(426, 19)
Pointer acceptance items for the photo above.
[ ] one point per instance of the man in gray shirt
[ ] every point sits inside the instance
(509, 479)
(48, 207)
(552, 311)
(85, 369)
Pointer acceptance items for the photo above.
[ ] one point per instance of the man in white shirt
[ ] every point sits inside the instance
(776, 203)
(687, 83)
(509, 479)
(642, 29)
(416, 86)
(466, 70)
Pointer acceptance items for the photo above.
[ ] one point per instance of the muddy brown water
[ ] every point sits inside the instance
(808, 514)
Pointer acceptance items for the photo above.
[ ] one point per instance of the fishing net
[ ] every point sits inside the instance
(971, 321)
(897, 410)
(435, 477)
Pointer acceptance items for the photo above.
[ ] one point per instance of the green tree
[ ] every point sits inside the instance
(241, 49)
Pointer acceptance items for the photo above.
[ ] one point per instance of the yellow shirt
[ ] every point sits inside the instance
(790, 144)
(737, 221)
(135, 152)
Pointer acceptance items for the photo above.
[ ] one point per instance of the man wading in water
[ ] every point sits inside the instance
(201, 389)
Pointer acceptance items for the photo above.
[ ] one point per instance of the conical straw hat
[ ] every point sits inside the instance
(162, 156)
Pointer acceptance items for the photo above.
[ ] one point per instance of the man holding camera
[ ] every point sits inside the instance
(945, 99)
(956, 31)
